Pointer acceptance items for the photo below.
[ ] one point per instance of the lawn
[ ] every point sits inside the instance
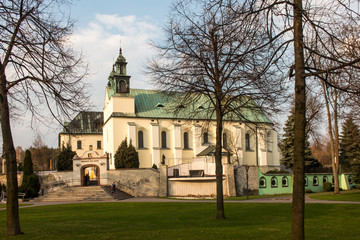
(346, 196)
(3, 205)
(185, 220)
(242, 198)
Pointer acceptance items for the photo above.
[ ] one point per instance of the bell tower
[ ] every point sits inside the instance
(118, 80)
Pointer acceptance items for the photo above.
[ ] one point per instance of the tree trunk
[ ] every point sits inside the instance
(336, 145)
(334, 141)
(12, 215)
(298, 200)
(220, 214)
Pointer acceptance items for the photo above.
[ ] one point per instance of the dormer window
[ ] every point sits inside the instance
(159, 105)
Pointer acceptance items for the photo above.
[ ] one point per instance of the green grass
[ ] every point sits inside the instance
(242, 198)
(183, 221)
(348, 196)
(3, 205)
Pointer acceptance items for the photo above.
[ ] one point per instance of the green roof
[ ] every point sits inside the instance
(85, 123)
(165, 105)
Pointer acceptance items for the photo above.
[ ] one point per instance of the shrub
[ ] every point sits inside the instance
(33, 186)
(28, 167)
(64, 159)
(126, 156)
(30, 184)
(308, 191)
(20, 166)
(327, 186)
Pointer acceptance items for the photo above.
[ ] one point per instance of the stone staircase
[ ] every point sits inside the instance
(117, 195)
(78, 194)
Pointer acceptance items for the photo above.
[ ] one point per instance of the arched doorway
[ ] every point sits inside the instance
(90, 175)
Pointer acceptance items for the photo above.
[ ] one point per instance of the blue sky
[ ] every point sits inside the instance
(101, 25)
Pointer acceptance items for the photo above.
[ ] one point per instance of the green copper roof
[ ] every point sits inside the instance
(85, 123)
(157, 104)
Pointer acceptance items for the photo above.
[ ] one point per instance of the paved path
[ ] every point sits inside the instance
(279, 199)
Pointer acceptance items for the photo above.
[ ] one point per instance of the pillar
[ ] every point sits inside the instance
(155, 141)
(132, 133)
(177, 144)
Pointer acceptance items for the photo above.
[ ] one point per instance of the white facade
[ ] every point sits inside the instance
(140, 116)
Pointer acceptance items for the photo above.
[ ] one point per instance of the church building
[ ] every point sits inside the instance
(163, 136)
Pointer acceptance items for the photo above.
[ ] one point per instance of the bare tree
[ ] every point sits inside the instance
(313, 116)
(217, 53)
(309, 26)
(38, 70)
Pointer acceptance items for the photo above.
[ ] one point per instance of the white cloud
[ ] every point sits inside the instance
(100, 42)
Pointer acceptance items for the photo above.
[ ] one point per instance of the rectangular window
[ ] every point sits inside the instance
(206, 137)
(98, 144)
(78, 144)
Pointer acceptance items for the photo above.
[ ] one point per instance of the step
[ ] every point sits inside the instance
(88, 193)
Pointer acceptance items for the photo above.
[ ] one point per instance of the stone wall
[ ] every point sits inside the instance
(230, 180)
(240, 180)
(53, 180)
(3, 178)
(137, 182)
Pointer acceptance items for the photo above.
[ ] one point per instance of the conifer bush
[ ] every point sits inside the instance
(64, 159)
(30, 184)
(126, 156)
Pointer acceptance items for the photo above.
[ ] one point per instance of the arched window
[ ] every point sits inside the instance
(262, 182)
(247, 141)
(224, 141)
(206, 137)
(274, 182)
(325, 179)
(122, 87)
(285, 181)
(315, 181)
(306, 181)
(140, 139)
(186, 140)
(163, 139)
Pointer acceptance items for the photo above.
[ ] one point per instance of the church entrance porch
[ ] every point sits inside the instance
(90, 175)
(90, 169)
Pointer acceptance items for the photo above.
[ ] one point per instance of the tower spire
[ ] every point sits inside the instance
(118, 78)
(120, 47)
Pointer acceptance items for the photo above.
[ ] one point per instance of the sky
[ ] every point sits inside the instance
(102, 27)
